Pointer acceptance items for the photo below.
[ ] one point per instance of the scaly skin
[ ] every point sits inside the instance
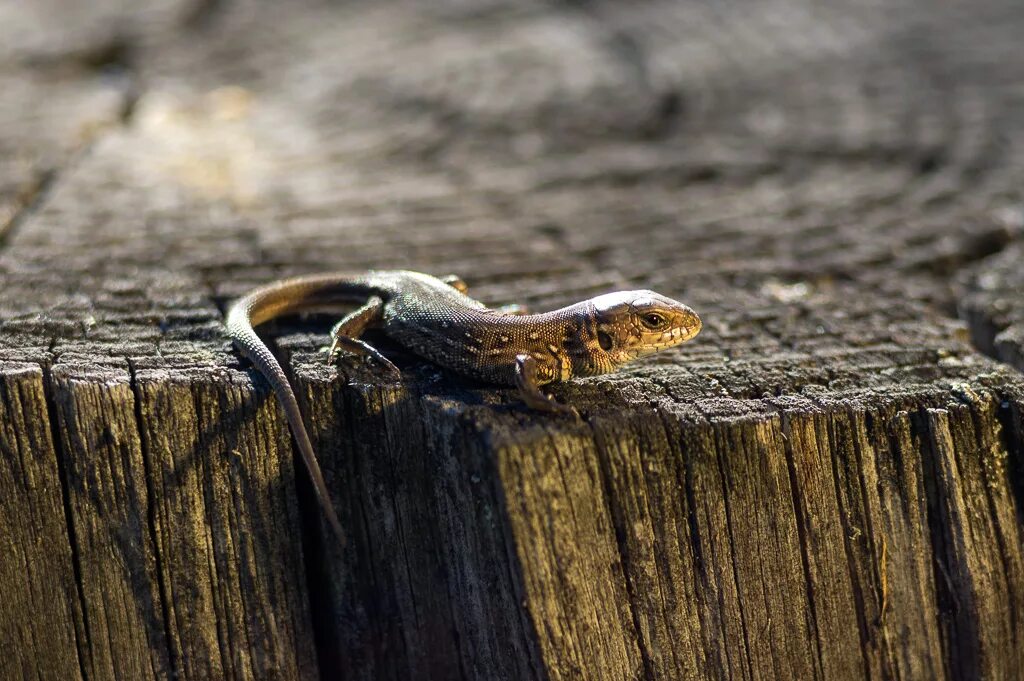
(435, 319)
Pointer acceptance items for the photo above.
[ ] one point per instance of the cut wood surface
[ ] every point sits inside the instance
(828, 483)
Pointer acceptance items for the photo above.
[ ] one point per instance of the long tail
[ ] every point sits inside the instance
(263, 304)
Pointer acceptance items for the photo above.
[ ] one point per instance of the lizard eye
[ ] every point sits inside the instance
(652, 320)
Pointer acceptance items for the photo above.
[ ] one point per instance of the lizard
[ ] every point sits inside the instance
(437, 320)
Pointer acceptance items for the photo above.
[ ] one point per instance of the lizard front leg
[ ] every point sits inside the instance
(345, 335)
(529, 379)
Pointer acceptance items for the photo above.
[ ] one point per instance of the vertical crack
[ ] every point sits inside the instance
(604, 468)
(147, 467)
(83, 643)
(513, 567)
(732, 557)
(699, 561)
(848, 550)
(796, 495)
(991, 503)
(949, 606)
(316, 558)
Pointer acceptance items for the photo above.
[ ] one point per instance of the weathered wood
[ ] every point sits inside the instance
(828, 483)
(108, 501)
(40, 603)
(990, 299)
(233, 584)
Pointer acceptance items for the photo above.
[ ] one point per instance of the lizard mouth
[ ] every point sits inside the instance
(691, 326)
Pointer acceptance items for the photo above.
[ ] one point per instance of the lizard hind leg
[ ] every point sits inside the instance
(513, 310)
(345, 335)
(456, 282)
(366, 351)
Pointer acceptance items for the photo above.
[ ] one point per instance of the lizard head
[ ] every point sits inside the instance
(632, 324)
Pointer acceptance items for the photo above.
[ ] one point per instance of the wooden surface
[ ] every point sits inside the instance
(827, 484)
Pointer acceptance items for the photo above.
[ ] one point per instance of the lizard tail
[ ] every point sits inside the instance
(262, 305)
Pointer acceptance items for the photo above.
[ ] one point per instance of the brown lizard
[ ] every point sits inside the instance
(435, 319)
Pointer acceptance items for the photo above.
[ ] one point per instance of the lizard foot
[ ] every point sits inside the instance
(350, 366)
(352, 348)
(555, 407)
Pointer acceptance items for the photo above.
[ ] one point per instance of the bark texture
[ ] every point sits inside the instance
(827, 484)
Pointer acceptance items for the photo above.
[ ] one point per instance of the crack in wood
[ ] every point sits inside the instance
(82, 638)
(151, 518)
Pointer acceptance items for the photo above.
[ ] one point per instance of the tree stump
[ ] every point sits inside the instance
(826, 484)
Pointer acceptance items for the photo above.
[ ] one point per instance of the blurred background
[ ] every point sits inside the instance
(542, 150)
